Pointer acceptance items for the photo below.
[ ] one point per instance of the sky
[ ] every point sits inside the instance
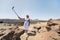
(36, 9)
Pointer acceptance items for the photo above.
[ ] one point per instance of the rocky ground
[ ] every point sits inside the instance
(40, 31)
(12, 33)
(47, 31)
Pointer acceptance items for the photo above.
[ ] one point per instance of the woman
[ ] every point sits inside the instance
(26, 23)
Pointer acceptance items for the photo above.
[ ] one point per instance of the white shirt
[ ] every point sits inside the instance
(26, 23)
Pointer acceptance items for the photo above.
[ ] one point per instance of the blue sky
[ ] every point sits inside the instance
(37, 9)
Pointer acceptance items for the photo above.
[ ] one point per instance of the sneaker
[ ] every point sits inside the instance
(26, 34)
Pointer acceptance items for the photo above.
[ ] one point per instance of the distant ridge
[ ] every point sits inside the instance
(11, 20)
(18, 21)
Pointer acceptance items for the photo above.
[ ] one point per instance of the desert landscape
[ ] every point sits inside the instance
(40, 18)
(38, 30)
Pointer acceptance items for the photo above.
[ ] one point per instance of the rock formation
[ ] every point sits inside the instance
(11, 34)
(51, 31)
